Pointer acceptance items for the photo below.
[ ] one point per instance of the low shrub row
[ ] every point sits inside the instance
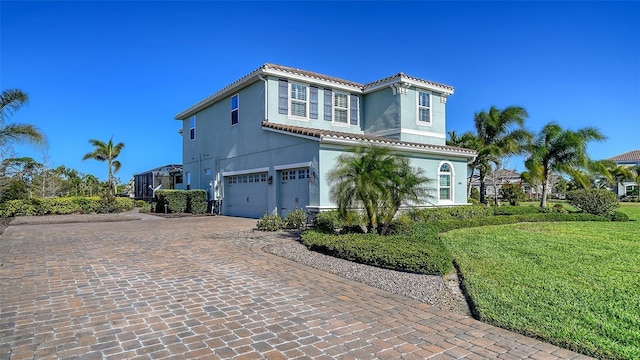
(423, 255)
(181, 201)
(456, 212)
(296, 219)
(63, 206)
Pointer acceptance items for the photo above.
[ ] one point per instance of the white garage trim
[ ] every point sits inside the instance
(293, 166)
(248, 171)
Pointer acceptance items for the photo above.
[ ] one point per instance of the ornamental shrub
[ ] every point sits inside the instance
(296, 219)
(327, 221)
(594, 201)
(512, 193)
(270, 223)
(619, 216)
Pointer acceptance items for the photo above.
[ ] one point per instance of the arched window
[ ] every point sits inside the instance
(445, 191)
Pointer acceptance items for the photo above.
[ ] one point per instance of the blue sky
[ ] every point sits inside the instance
(125, 69)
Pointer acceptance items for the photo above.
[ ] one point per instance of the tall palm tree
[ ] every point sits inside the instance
(499, 133)
(559, 150)
(106, 152)
(12, 100)
(376, 180)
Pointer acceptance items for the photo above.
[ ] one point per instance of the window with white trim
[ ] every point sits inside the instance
(234, 109)
(298, 100)
(340, 108)
(631, 190)
(424, 108)
(192, 128)
(444, 182)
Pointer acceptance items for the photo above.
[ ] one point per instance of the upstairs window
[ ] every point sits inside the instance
(298, 100)
(424, 108)
(340, 108)
(444, 183)
(234, 110)
(192, 128)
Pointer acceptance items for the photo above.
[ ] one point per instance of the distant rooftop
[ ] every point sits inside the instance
(631, 156)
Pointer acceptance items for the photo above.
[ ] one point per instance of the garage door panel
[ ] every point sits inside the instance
(246, 195)
(294, 190)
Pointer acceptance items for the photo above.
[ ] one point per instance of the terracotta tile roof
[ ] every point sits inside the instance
(631, 156)
(311, 74)
(403, 75)
(254, 76)
(330, 134)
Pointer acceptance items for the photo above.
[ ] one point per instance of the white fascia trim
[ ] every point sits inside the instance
(348, 142)
(288, 133)
(402, 79)
(424, 133)
(292, 166)
(395, 131)
(313, 80)
(222, 93)
(247, 171)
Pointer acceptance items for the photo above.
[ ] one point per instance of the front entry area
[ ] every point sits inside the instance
(294, 190)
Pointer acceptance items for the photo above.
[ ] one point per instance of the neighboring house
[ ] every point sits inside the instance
(496, 179)
(265, 143)
(627, 187)
(164, 177)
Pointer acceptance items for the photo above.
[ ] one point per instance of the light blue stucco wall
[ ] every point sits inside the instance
(318, 123)
(427, 162)
(381, 111)
(222, 147)
(434, 133)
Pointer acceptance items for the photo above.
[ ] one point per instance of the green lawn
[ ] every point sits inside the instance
(631, 209)
(576, 285)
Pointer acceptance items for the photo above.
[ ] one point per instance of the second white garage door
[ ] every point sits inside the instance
(294, 190)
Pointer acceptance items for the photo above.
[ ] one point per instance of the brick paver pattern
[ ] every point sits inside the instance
(162, 289)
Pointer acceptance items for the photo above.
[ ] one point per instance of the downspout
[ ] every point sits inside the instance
(266, 96)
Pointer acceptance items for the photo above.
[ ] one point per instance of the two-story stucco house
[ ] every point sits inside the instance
(266, 142)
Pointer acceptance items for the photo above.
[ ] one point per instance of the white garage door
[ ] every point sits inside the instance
(246, 195)
(294, 190)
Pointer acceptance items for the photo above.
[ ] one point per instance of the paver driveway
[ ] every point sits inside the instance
(156, 289)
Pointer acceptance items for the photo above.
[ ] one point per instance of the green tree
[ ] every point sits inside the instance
(468, 140)
(378, 181)
(558, 150)
(106, 152)
(499, 133)
(12, 100)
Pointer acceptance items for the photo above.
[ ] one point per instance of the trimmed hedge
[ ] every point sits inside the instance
(424, 255)
(517, 210)
(456, 212)
(176, 201)
(63, 206)
(197, 201)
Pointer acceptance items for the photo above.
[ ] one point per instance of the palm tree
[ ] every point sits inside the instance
(379, 182)
(11, 101)
(559, 150)
(467, 140)
(499, 133)
(106, 152)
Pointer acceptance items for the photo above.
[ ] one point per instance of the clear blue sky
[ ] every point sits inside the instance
(124, 69)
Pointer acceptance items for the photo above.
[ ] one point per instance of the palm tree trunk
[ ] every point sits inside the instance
(483, 187)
